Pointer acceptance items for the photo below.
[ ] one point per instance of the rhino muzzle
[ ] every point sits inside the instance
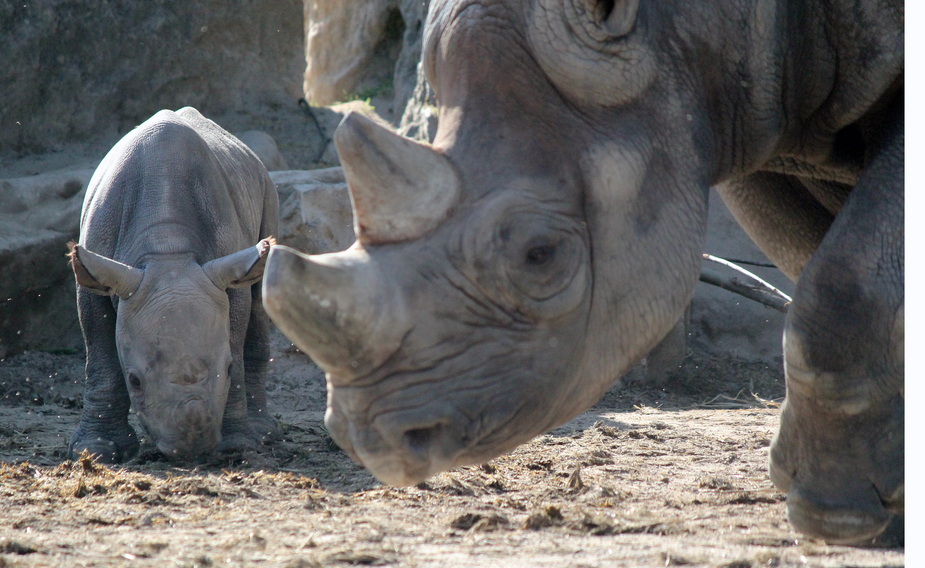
(351, 320)
(194, 429)
(401, 448)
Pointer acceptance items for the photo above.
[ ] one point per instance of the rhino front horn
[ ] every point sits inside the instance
(335, 307)
(400, 189)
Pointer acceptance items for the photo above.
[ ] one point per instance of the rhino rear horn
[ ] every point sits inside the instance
(101, 275)
(400, 189)
(243, 268)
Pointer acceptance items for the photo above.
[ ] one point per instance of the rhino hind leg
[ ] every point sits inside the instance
(103, 430)
(256, 357)
(839, 449)
(781, 215)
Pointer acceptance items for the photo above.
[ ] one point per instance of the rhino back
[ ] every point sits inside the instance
(176, 184)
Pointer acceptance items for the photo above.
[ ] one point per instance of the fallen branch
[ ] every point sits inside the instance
(754, 288)
(723, 402)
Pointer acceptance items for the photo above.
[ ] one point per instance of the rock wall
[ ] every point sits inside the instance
(408, 76)
(80, 69)
(315, 214)
(365, 48)
(38, 216)
(350, 45)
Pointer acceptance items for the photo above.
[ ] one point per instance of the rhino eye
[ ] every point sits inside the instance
(134, 382)
(540, 255)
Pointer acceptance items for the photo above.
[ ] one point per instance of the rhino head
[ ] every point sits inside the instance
(504, 277)
(173, 338)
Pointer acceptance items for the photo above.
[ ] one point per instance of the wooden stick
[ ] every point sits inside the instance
(754, 288)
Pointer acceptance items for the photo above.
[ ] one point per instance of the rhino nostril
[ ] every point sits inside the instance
(419, 440)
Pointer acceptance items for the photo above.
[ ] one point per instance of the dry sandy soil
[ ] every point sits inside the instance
(650, 476)
(645, 478)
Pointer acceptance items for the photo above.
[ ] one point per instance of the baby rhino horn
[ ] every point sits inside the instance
(400, 189)
(101, 275)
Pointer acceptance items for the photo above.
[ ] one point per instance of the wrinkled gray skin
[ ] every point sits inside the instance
(503, 279)
(171, 314)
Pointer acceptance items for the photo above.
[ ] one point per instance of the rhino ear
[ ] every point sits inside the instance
(243, 268)
(400, 189)
(102, 275)
(617, 17)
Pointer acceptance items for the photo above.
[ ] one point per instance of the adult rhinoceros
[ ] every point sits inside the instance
(503, 278)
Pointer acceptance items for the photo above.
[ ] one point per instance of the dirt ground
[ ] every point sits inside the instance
(651, 476)
(645, 478)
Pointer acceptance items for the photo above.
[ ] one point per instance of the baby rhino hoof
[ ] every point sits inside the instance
(266, 428)
(106, 448)
(258, 430)
(237, 443)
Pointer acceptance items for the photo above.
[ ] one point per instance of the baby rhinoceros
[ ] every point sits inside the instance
(169, 292)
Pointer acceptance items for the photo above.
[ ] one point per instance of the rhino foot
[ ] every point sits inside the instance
(113, 445)
(238, 441)
(843, 473)
(266, 427)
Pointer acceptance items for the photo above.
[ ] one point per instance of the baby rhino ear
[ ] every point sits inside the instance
(102, 275)
(243, 268)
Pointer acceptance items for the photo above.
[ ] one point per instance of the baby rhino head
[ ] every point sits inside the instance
(173, 339)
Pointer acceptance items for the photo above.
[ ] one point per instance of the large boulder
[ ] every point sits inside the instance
(359, 48)
(266, 149)
(315, 212)
(38, 216)
(80, 69)
(350, 45)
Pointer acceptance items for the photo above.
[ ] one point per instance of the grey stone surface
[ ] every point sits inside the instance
(79, 69)
(38, 216)
(315, 212)
(407, 74)
(350, 46)
(266, 149)
(419, 119)
(354, 48)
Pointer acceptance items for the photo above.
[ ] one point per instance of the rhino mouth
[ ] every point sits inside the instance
(192, 429)
(406, 445)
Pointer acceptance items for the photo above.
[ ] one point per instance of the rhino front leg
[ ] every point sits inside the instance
(839, 450)
(256, 356)
(103, 430)
(237, 434)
